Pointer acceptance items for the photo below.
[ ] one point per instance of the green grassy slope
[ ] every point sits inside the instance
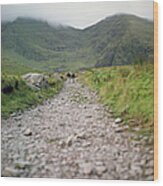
(21, 96)
(121, 39)
(116, 40)
(127, 90)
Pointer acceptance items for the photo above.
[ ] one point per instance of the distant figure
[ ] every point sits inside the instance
(71, 77)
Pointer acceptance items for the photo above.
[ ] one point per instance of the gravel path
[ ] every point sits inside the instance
(72, 136)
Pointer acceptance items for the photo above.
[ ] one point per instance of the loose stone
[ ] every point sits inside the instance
(27, 132)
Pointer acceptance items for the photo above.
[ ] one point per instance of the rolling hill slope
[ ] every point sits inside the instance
(116, 40)
(121, 39)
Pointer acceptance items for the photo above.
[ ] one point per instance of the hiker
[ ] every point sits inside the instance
(71, 77)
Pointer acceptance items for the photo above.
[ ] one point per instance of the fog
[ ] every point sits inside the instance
(78, 15)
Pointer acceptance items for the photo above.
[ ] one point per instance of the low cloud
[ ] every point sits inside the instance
(79, 15)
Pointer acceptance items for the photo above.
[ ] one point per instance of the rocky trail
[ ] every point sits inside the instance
(72, 136)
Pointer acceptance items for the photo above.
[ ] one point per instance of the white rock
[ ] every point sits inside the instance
(118, 120)
(27, 132)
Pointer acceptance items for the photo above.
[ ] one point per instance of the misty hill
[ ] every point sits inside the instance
(121, 39)
(116, 40)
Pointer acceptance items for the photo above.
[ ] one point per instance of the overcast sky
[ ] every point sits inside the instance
(79, 15)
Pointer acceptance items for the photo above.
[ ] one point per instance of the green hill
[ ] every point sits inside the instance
(116, 40)
(121, 40)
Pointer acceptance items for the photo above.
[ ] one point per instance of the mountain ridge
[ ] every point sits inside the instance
(116, 40)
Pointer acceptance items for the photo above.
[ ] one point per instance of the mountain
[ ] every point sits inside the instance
(116, 40)
(121, 39)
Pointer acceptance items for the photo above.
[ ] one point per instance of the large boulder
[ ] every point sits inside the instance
(36, 80)
(58, 77)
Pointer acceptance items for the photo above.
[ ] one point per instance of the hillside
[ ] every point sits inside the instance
(121, 40)
(116, 40)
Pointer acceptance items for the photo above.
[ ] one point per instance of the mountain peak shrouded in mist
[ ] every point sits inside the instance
(80, 14)
(116, 40)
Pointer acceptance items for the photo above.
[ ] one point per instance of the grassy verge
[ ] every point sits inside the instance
(128, 91)
(21, 96)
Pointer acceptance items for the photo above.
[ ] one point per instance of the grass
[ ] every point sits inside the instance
(128, 91)
(22, 97)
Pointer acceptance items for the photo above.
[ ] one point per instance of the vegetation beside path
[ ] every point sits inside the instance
(128, 91)
(20, 96)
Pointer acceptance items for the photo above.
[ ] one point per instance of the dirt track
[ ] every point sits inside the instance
(72, 136)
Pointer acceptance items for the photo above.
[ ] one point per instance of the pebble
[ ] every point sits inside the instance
(137, 169)
(149, 172)
(19, 124)
(27, 132)
(86, 144)
(118, 120)
(119, 129)
(13, 114)
(100, 170)
(87, 168)
(10, 136)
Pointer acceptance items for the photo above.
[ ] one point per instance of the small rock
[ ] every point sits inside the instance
(28, 132)
(22, 164)
(99, 118)
(81, 135)
(87, 168)
(18, 118)
(118, 120)
(100, 170)
(88, 116)
(10, 136)
(61, 143)
(149, 172)
(62, 124)
(101, 134)
(125, 127)
(86, 144)
(10, 172)
(111, 166)
(19, 124)
(136, 129)
(119, 129)
(110, 111)
(99, 163)
(13, 114)
(114, 125)
(69, 140)
(137, 169)
(15, 156)
(135, 143)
